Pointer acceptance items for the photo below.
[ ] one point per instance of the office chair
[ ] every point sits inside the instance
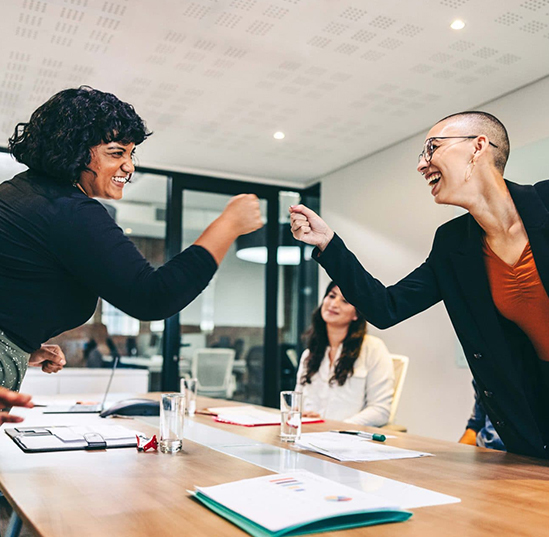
(213, 368)
(400, 366)
(254, 368)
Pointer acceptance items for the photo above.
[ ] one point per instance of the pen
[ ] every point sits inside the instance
(363, 434)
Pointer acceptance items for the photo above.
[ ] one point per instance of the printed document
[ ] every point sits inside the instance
(348, 448)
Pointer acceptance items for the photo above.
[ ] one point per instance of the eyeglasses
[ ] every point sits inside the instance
(429, 148)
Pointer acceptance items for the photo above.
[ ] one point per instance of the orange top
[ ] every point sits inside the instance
(519, 296)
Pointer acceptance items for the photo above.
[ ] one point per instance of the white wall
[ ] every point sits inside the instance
(383, 210)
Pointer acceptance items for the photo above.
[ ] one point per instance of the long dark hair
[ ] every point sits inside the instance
(317, 341)
(59, 135)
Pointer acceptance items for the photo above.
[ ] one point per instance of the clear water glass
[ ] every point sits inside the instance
(290, 416)
(172, 419)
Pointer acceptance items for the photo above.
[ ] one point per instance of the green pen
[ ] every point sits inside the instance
(363, 434)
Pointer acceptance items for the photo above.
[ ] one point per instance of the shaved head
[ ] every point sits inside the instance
(483, 123)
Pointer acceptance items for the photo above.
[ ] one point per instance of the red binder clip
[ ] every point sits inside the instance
(144, 444)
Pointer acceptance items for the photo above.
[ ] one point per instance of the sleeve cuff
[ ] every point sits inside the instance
(332, 246)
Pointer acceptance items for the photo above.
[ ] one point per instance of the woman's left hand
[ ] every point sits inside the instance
(50, 357)
(310, 414)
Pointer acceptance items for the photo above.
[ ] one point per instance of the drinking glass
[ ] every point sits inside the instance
(172, 418)
(189, 388)
(290, 416)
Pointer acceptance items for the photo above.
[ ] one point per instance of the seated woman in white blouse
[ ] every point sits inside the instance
(345, 374)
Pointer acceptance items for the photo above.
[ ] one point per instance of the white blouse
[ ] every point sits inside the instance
(365, 398)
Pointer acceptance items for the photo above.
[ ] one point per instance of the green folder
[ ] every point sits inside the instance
(330, 523)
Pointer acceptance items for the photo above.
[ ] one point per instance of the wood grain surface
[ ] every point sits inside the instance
(121, 492)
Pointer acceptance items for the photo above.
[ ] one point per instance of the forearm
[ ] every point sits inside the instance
(217, 238)
(156, 294)
(373, 416)
(382, 306)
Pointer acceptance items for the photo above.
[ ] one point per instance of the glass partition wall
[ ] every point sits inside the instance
(255, 309)
(229, 314)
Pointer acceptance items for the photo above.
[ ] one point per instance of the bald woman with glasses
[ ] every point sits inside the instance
(489, 266)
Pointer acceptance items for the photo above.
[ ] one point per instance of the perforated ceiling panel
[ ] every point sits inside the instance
(214, 79)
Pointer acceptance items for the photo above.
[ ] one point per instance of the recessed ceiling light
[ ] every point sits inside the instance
(279, 135)
(128, 231)
(458, 24)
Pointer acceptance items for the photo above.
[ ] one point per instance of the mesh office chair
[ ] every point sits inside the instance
(213, 368)
(400, 366)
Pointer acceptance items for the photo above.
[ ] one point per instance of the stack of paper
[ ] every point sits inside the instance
(296, 503)
(352, 448)
(250, 416)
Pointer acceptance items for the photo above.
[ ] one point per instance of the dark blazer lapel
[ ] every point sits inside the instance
(468, 263)
(535, 217)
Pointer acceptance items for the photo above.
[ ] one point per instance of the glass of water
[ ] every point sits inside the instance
(290, 416)
(172, 418)
(189, 388)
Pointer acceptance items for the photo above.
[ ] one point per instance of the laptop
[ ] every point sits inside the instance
(83, 408)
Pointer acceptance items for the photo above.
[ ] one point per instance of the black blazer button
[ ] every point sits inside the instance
(477, 355)
(488, 394)
(500, 423)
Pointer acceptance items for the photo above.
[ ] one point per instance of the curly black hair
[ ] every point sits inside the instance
(318, 341)
(57, 140)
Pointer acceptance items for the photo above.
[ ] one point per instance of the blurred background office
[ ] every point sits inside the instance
(317, 101)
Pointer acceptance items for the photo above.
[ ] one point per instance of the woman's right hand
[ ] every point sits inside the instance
(308, 227)
(242, 213)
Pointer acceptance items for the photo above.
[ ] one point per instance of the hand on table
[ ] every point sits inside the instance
(309, 228)
(50, 357)
(10, 398)
(310, 414)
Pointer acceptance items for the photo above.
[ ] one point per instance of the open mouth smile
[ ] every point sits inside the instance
(433, 178)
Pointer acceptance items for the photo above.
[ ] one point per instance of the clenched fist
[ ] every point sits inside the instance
(309, 228)
(242, 213)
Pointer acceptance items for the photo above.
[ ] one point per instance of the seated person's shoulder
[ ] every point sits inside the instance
(374, 342)
(374, 346)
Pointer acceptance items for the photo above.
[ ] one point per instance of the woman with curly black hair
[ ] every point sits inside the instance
(345, 374)
(59, 248)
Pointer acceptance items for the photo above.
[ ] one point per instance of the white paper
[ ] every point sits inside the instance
(108, 432)
(282, 500)
(48, 442)
(348, 448)
(250, 415)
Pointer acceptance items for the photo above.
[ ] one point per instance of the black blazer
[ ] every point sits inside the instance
(512, 381)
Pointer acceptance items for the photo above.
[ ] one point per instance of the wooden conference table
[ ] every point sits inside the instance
(121, 492)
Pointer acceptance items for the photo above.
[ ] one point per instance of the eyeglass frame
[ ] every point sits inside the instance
(429, 153)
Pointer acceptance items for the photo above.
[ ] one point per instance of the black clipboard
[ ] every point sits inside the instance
(44, 439)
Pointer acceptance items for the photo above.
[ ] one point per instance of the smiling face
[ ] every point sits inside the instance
(450, 168)
(113, 166)
(336, 311)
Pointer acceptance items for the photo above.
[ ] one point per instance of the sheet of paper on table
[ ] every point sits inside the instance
(348, 448)
(250, 416)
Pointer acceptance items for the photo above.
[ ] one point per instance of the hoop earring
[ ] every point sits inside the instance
(472, 163)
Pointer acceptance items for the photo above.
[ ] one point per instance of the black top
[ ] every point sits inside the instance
(60, 251)
(513, 382)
